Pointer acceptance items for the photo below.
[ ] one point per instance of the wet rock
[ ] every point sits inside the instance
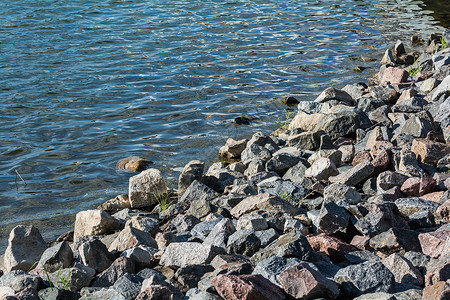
(197, 191)
(302, 281)
(131, 237)
(232, 149)
(434, 242)
(25, 247)
(438, 291)
(115, 204)
(220, 233)
(332, 218)
(429, 152)
(94, 254)
(321, 169)
(18, 280)
(132, 164)
(396, 240)
(292, 244)
(192, 171)
(335, 94)
(403, 270)
(144, 188)
(189, 253)
(243, 242)
(367, 277)
(355, 175)
(118, 268)
(247, 287)
(262, 202)
(334, 248)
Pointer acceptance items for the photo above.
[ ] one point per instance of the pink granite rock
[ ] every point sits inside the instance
(438, 291)
(394, 75)
(331, 246)
(432, 243)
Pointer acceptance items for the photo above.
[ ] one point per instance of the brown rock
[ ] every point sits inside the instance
(427, 184)
(433, 243)
(246, 287)
(375, 136)
(94, 222)
(382, 161)
(303, 282)
(331, 246)
(438, 291)
(130, 237)
(114, 205)
(232, 149)
(443, 211)
(406, 94)
(429, 152)
(361, 242)
(434, 196)
(132, 164)
(380, 146)
(394, 75)
(360, 157)
(411, 187)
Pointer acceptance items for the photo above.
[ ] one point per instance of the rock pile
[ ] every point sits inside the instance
(352, 201)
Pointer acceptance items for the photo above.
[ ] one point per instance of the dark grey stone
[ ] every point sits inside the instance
(287, 190)
(332, 218)
(58, 256)
(266, 236)
(94, 254)
(395, 240)
(421, 219)
(220, 233)
(243, 242)
(57, 294)
(18, 280)
(197, 191)
(367, 277)
(273, 266)
(282, 160)
(339, 124)
(189, 276)
(129, 285)
(358, 257)
(118, 268)
(192, 171)
(202, 229)
(412, 205)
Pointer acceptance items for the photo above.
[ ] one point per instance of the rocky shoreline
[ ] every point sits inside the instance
(350, 201)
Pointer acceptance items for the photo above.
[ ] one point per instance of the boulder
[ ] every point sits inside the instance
(332, 218)
(411, 205)
(188, 253)
(433, 243)
(18, 280)
(118, 268)
(197, 191)
(129, 285)
(80, 276)
(249, 287)
(94, 254)
(341, 194)
(192, 171)
(25, 247)
(145, 188)
(94, 222)
(396, 240)
(232, 149)
(131, 237)
(115, 204)
(403, 270)
(394, 76)
(367, 277)
(444, 211)
(55, 257)
(321, 169)
(141, 256)
(438, 291)
(303, 282)
(429, 152)
(220, 233)
(132, 164)
(263, 201)
(332, 93)
(308, 140)
(339, 124)
(244, 242)
(273, 266)
(357, 174)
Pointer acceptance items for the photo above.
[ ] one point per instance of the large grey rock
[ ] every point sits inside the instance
(322, 169)
(341, 194)
(273, 266)
(309, 140)
(367, 277)
(403, 270)
(74, 278)
(357, 174)
(197, 191)
(283, 159)
(142, 256)
(188, 253)
(218, 177)
(332, 93)
(55, 257)
(220, 233)
(18, 280)
(244, 242)
(94, 222)
(262, 202)
(192, 171)
(145, 188)
(292, 244)
(129, 285)
(130, 237)
(94, 254)
(118, 268)
(25, 247)
(412, 205)
(146, 223)
(202, 229)
(441, 59)
(339, 124)
(102, 294)
(332, 218)
(287, 190)
(266, 236)
(297, 172)
(388, 179)
(189, 276)
(396, 240)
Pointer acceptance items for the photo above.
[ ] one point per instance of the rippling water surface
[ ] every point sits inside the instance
(86, 83)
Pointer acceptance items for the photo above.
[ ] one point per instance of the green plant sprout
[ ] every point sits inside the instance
(444, 45)
(162, 198)
(284, 124)
(414, 70)
(63, 281)
(287, 197)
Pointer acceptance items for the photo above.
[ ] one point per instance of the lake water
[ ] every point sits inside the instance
(86, 83)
